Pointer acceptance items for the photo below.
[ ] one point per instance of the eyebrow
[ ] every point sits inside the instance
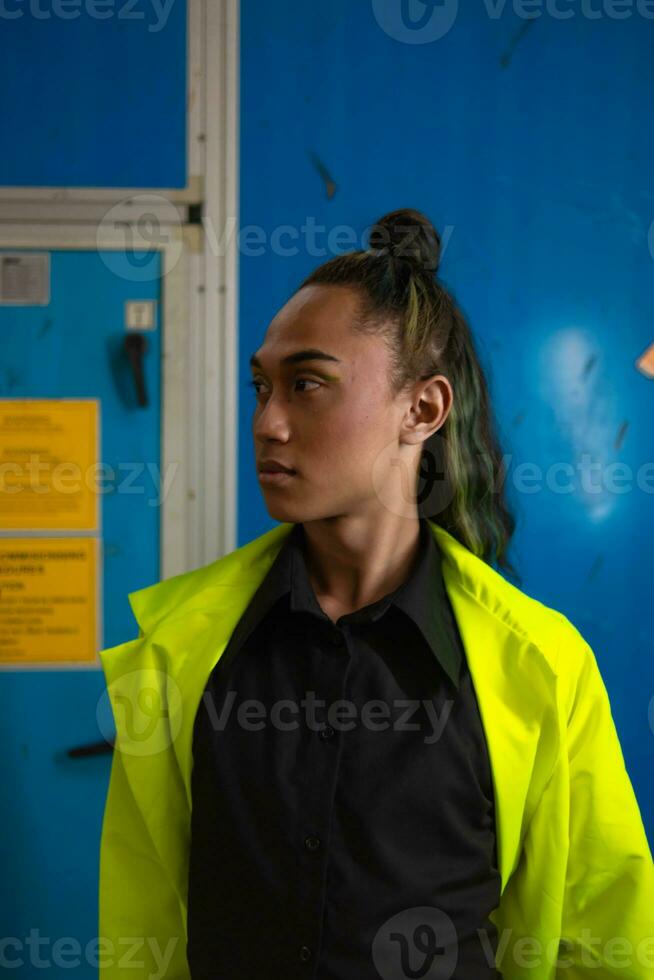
(310, 354)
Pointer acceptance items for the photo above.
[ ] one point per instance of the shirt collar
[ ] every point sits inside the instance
(422, 597)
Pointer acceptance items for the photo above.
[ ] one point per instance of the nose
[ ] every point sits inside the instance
(271, 421)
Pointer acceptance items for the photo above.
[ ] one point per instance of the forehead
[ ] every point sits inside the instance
(320, 317)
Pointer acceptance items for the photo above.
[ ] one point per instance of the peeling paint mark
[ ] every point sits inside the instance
(622, 431)
(645, 362)
(330, 184)
(12, 377)
(519, 418)
(505, 60)
(111, 550)
(47, 324)
(588, 366)
(595, 567)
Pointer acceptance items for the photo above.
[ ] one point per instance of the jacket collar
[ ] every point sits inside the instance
(188, 621)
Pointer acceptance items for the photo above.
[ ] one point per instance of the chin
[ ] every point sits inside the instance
(284, 509)
(284, 512)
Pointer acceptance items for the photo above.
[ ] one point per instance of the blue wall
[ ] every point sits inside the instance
(529, 144)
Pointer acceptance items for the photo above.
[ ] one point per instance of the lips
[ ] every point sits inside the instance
(276, 478)
(271, 467)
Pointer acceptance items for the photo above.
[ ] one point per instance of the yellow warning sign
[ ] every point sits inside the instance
(48, 606)
(48, 464)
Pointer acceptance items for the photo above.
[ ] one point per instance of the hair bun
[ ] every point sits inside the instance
(407, 234)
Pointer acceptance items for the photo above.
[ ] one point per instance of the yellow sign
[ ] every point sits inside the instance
(48, 464)
(48, 608)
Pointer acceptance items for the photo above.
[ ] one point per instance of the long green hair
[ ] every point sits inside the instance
(460, 478)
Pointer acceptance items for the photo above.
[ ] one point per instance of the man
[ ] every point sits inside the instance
(574, 871)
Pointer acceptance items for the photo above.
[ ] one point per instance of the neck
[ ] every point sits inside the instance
(352, 562)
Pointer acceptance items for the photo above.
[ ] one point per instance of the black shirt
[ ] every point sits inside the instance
(352, 842)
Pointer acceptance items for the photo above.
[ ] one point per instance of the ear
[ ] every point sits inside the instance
(432, 402)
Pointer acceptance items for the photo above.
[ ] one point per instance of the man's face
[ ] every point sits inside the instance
(332, 421)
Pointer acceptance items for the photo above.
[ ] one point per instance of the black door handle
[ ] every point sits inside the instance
(136, 344)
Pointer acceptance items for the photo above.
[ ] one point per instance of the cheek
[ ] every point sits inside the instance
(358, 426)
(349, 416)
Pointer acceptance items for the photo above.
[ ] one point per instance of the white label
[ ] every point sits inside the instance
(25, 278)
(139, 314)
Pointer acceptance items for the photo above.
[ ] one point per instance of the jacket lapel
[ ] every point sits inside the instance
(515, 689)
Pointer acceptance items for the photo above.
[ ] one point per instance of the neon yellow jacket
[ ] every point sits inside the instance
(577, 875)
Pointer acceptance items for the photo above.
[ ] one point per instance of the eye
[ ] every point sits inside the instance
(255, 382)
(304, 381)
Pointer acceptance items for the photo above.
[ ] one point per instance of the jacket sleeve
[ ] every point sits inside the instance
(608, 912)
(141, 929)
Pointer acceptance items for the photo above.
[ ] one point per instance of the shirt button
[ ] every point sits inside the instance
(326, 732)
(305, 953)
(312, 843)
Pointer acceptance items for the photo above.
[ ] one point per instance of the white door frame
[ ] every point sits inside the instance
(218, 428)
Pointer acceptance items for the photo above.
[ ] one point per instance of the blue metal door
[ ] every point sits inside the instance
(76, 346)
